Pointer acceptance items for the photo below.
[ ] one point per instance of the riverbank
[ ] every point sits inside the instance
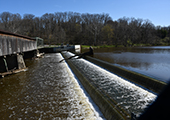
(114, 46)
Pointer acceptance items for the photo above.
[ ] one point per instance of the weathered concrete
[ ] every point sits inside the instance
(57, 49)
(11, 64)
(77, 48)
(21, 63)
(145, 81)
(106, 105)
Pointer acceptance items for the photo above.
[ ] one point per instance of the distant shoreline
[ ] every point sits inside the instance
(114, 46)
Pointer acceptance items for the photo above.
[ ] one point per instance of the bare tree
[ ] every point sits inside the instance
(27, 24)
(94, 23)
(135, 30)
(123, 30)
(15, 23)
(76, 28)
(147, 32)
(5, 18)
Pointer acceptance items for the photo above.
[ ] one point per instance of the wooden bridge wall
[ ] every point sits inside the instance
(13, 43)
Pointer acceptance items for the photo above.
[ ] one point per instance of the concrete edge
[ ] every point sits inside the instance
(145, 81)
(107, 108)
(2, 75)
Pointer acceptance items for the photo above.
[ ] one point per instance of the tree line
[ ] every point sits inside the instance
(86, 29)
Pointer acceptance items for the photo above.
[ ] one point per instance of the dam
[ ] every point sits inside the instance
(84, 88)
(48, 89)
(124, 94)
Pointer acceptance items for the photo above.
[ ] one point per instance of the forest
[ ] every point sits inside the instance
(86, 29)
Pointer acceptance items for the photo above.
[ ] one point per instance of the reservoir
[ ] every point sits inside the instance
(47, 90)
(150, 61)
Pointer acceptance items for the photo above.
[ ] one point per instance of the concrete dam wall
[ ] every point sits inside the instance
(116, 97)
(145, 81)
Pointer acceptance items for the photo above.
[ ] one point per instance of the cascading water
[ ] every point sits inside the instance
(48, 90)
(131, 97)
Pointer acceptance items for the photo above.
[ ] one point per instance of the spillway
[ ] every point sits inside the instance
(47, 90)
(129, 96)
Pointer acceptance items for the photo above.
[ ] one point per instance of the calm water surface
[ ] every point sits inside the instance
(151, 61)
(47, 90)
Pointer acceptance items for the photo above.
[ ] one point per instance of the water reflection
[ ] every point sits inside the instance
(48, 90)
(151, 61)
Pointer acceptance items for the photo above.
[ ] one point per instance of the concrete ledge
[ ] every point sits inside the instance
(108, 107)
(56, 49)
(145, 81)
(12, 72)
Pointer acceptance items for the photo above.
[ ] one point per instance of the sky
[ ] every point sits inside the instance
(157, 11)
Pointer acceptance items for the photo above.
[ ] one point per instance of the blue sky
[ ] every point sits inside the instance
(157, 11)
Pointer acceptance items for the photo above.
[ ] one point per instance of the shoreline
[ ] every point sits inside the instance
(119, 46)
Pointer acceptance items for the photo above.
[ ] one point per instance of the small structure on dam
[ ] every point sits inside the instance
(12, 48)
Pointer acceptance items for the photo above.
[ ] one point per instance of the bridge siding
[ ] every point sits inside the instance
(11, 44)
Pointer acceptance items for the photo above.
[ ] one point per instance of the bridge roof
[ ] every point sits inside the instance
(17, 35)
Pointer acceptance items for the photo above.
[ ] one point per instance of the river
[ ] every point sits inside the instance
(150, 61)
(47, 90)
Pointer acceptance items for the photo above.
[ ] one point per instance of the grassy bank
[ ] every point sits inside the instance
(101, 46)
(111, 46)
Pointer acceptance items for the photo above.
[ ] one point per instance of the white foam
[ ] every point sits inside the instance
(85, 96)
(105, 78)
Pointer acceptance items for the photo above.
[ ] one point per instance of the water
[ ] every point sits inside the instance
(47, 90)
(150, 61)
(131, 97)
